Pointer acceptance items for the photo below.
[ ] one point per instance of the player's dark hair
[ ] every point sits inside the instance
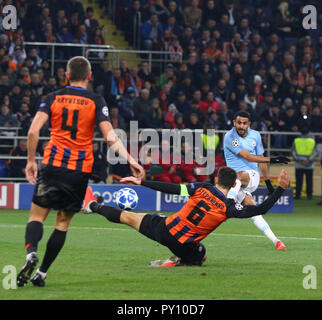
(78, 68)
(243, 114)
(226, 177)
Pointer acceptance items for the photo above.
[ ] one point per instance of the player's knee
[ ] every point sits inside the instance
(131, 219)
(243, 177)
(63, 220)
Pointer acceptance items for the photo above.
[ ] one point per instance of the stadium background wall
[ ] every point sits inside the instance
(19, 195)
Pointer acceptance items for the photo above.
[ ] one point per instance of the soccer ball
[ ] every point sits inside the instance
(126, 199)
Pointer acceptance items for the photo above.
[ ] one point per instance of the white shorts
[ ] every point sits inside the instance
(254, 179)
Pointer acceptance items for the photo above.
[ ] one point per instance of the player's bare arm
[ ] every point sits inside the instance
(33, 137)
(263, 168)
(114, 142)
(253, 158)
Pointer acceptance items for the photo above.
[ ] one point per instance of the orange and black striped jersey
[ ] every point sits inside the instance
(203, 212)
(206, 209)
(73, 113)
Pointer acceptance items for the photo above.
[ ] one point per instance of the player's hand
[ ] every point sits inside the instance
(137, 170)
(284, 179)
(269, 186)
(31, 172)
(130, 180)
(280, 159)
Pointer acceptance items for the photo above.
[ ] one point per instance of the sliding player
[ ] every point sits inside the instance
(182, 232)
(244, 152)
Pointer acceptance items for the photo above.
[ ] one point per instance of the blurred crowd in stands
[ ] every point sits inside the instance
(249, 55)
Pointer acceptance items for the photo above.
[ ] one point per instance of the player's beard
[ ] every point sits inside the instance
(242, 132)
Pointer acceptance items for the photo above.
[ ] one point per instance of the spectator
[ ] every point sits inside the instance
(225, 116)
(209, 104)
(182, 104)
(51, 85)
(124, 69)
(117, 85)
(304, 152)
(174, 11)
(116, 120)
(24, 118)
(224, 28)
(102, 77)
(167, 75)
(37, 89)
(134, 17)
(61, 77)
(100, 166)
(163, 97)
(178, 121)
(61, 19)
(193, 15)
(231, 12)
(17, 166)
(145, 74)
(15, 98)
(141, 106)
(82, 35)
(160, 10)
(90, 23)
(186, 38)
(209, 12)
(290, 123)
(4, 85)
(134, 81)
(260, 21)
(194, 121)
(75, 6)
(126, 107)
(221, 92)
(153, 116)
(7, 118)
(151, 32)
(169, 116)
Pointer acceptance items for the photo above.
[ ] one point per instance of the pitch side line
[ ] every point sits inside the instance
(130, 230)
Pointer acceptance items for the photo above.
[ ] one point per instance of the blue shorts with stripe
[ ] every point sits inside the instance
(60, 188)
(153, 226)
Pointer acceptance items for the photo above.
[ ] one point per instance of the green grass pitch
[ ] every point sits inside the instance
(101, 260)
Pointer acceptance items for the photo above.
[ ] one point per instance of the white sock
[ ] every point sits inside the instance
(42, 274)
(262, 225)
(233, 192)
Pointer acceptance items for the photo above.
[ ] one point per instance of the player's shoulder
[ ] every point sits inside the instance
(253, 132)
(229, 134)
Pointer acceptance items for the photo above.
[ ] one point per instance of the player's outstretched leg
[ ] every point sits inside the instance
(33, 235)
(263, 226)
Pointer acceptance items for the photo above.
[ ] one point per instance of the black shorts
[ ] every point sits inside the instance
(60, 188)
(153, 226)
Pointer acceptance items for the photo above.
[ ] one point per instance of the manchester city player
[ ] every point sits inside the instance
(244, 151)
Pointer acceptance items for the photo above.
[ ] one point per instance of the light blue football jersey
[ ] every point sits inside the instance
(234, 143)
